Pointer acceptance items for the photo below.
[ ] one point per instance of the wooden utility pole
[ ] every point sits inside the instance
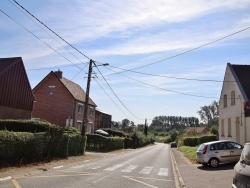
(86, 104)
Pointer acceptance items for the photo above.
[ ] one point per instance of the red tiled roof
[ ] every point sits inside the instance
(76, 90)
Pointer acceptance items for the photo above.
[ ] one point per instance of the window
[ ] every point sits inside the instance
(229, 128)
(225, 101)
(232, 97)
(80, 108)
(91, 111)
(222, 127)
(79, 125)
(51, 89)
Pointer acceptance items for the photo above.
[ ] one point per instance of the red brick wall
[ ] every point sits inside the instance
(14, 113)
(56, 107)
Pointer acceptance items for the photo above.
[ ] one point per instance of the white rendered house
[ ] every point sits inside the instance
(234, 106)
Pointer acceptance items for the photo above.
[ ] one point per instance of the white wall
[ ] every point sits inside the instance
(232, 111)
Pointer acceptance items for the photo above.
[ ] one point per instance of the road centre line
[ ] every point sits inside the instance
(15, 183)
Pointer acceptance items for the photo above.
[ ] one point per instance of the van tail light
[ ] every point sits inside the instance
(205, 149)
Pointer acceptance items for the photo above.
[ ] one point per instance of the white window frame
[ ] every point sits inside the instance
(80, 108)
(233, 97)
(51, 90)
(79, 127)
(91, 111)
(225, 100)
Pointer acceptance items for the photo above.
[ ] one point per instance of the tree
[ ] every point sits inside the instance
(209, 114)
(125, 124)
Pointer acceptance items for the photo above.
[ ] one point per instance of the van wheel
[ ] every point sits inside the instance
(214, 162)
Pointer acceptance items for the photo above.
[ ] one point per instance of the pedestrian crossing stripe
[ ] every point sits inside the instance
(129, 169)
(146, 170)
(114, 167)
(163, 172)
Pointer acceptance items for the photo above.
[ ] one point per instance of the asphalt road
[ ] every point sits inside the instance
(145, 167)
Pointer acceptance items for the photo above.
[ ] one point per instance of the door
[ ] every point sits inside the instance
(235, 150)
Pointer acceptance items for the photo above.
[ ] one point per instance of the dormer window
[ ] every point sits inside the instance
(51, 89)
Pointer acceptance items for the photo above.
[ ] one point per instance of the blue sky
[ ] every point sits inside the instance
(129, 34)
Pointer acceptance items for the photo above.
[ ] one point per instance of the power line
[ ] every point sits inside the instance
(182, 93)
(38, 38)
(185, 52)
(50, 29)
(117, 96)
(162, 76)
(57, 67)
(45, 31)
(109, 96)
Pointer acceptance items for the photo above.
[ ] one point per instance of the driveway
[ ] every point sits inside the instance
(198, 176)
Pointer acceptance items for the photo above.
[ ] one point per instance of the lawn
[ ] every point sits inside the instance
(189, 152)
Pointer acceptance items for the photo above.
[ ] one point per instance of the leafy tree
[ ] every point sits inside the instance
(209, 114)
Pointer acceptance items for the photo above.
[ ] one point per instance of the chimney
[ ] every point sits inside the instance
(59, 73)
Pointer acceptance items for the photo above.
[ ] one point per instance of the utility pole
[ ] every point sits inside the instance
(86, 104)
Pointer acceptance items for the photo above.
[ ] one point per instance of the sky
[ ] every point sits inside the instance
(165, 57)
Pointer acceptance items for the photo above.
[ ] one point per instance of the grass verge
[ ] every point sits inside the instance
(189, 152)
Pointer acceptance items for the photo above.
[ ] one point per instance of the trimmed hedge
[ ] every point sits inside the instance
(128, 143)
(194, 141)
(114, 132)
(101, 143)
(31, 126)
(23, 147)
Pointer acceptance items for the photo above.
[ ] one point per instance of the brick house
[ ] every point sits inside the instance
(234, 104)
(16, 96)
(102, 119)
(61, 101)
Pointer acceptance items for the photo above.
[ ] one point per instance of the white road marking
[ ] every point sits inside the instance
(146, 170)
(5, 178)
(57, 167)
(163, 172)
(97, 167)
(130, 168)
(114, 167)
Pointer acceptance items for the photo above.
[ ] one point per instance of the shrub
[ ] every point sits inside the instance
(100, 143)
(194, 141)
(140, 139)
(191, 141)
(128, 143)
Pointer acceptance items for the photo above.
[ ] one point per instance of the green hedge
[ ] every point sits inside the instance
(31, 126)
(101, 143)
(114, 132)
(23, 147)
(140, 139)
(128, 143)
(194, 141)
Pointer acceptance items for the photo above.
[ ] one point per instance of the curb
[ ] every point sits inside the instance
(177, 171)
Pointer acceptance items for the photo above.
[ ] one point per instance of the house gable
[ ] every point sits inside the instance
(15, 89)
